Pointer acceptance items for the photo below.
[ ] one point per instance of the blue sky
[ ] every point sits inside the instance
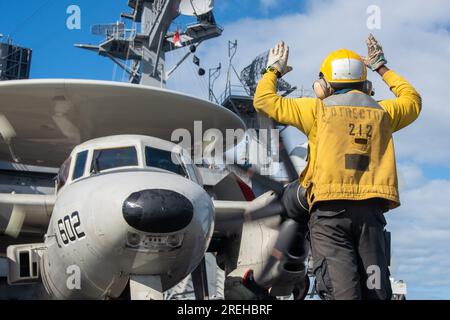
(417, 41)
(41, 25)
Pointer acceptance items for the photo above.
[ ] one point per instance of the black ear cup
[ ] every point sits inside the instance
(368, 88)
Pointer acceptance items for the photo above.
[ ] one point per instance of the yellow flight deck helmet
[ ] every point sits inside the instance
(342, 68)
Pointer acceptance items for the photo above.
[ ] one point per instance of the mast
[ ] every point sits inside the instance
(147, 48)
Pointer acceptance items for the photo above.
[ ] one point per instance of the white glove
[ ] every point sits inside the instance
(278, 58)
(375, 58)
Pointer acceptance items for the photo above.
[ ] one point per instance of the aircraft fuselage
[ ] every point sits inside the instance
(115, 224)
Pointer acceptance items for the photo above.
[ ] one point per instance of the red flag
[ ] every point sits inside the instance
(176, 39)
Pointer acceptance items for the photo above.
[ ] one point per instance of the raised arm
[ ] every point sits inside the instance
(298, 112)
(406, 107)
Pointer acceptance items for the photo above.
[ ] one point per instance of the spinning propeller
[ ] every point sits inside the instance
(289, 249)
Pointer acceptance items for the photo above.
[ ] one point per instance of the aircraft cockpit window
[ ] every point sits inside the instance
(114, 158)
(80, 164)
(63, 174)
(162, 159)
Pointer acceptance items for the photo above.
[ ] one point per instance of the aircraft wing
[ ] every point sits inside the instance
(25, 214)
(227, 209)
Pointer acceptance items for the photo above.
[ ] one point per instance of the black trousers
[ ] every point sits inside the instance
(349, 250)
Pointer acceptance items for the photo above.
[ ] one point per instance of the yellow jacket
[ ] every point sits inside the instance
(307, 114)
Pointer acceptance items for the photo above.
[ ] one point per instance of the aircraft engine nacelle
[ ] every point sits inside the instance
(107, 228)
(257, 238)
(291, 272)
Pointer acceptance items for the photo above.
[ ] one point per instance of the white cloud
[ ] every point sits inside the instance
(409, 176)
(420, 235)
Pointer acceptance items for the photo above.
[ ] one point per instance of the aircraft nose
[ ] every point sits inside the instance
(158, 211)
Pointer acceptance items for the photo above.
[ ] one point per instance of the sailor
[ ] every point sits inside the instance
(350, 180)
